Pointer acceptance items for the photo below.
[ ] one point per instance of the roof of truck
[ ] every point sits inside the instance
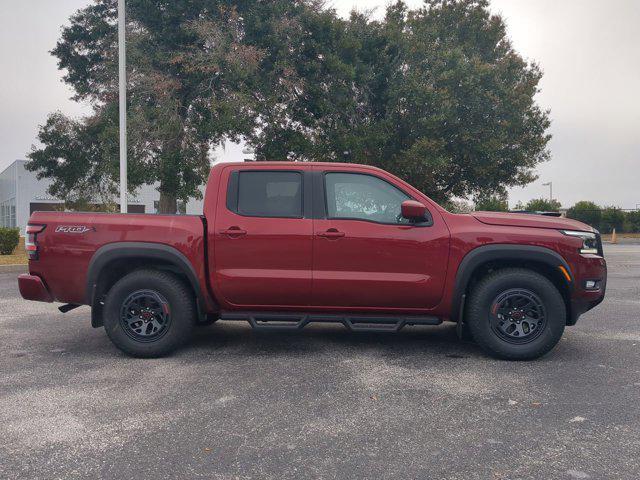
(297, 164)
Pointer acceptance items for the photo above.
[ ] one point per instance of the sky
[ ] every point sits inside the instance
(589, 51)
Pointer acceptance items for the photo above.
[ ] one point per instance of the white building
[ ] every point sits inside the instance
(21, 194)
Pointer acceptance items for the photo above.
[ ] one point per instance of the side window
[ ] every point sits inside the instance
(365, 197)
(269, 194)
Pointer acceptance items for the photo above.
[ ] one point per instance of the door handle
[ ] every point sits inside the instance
(331, 233)
(233, 232)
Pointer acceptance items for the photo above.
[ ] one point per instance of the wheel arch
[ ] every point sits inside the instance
(481, 260)
(112, 261)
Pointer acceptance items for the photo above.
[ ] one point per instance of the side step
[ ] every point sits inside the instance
(355, 323)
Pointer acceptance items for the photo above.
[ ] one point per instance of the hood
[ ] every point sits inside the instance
(530, 220)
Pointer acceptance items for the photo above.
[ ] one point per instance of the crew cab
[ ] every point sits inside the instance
(283, 244)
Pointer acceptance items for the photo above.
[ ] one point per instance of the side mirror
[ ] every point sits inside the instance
(412, 210)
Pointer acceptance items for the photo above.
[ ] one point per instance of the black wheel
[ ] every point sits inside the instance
(149, 313)
(516, 314)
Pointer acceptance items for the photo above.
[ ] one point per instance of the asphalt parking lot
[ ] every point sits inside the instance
(321, 403)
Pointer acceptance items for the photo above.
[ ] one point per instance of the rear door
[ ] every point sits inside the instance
(263, 237)
(365, 254)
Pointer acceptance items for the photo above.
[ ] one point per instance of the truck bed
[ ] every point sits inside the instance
(70, 240)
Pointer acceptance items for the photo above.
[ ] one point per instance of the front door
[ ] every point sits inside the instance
(263, 238)
(365, 254)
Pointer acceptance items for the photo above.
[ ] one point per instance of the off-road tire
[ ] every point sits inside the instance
(480, 303)
(181, 308)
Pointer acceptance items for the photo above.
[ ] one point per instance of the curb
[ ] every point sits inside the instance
(14, 268)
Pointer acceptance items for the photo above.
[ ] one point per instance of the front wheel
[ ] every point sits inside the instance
(149, 313)
(516, 314)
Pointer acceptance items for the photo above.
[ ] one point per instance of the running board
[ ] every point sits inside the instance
(68, 307)
(355, 323)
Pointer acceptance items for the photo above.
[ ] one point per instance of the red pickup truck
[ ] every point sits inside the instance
(283, 244)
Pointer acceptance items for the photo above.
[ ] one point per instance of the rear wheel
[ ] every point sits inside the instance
(149, 313)
(516, 314)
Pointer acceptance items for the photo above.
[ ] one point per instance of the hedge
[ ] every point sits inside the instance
(9, 238)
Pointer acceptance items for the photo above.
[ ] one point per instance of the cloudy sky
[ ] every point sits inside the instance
(589, 51)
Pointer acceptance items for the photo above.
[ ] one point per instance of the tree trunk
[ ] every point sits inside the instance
(168, 203)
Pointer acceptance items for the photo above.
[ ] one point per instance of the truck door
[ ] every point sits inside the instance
(365, 254)
(263, 237)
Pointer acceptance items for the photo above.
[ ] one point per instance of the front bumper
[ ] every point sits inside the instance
(591, 267)
(580, 306)
(33, 288)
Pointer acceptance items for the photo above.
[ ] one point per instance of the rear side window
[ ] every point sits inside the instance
(269, 194)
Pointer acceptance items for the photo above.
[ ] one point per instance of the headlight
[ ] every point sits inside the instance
(589, 242)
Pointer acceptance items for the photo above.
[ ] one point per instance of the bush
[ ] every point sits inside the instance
(632, 223)
(543, 205)
(9, 239)
(493, 203)
(586, 212)
(612, 217)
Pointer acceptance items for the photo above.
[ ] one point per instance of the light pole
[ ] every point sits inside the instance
(122, 87)
(550, 185)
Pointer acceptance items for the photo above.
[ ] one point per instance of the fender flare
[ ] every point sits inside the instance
(140, 250)
(487, 253)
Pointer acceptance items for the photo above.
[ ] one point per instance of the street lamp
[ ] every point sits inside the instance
(122, 87)
(550, 185)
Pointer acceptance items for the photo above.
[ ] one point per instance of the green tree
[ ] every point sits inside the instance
(492, 203)
(194, 81)
(458, 206)
(612, 217)
(543, 205)
(436, 95)
(587, 212)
